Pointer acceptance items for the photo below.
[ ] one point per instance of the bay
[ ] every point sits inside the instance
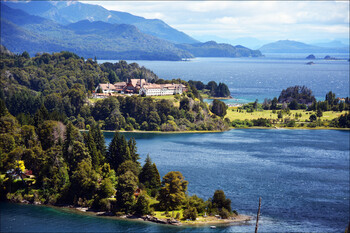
(301, 175)
(258, 78)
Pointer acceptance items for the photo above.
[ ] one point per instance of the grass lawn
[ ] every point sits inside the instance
(94, 100)
(161, 214)
(164, 97)
(232, 114)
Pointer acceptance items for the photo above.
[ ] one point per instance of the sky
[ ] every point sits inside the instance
(307, 21)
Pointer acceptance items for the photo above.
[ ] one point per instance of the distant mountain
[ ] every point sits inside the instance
(66, 12)
(331, 44)
(24, 32)
(213, 49)
(289, 46)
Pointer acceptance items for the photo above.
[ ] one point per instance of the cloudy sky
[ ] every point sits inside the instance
(306, 21)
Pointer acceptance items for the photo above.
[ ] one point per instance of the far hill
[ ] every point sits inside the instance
(290, 46)
(24, 32)
(67, 12)
(213, 49)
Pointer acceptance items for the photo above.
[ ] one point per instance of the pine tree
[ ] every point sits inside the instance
(149, 175)
(155, 183)
(99, 139)
(96, 156)
(133, 150)
(68, 142)
(118, 151)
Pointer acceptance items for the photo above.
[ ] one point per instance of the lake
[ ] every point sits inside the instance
(258, 78)
(301, 175)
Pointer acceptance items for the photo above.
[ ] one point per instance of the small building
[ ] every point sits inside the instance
(119, 87)
(151, 89)
(105, 88)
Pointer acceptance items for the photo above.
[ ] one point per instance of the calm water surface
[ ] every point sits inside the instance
(301, 175)
(259, 78)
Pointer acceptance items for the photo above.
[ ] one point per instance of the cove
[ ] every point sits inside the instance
(301, 175)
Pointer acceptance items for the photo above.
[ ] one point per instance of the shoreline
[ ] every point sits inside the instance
(202, 222)
(210, 220)
(217, 131)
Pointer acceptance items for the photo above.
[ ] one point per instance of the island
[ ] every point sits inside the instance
(311, 57)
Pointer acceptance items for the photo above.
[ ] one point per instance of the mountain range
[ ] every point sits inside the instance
(290, 46)
(91, 30)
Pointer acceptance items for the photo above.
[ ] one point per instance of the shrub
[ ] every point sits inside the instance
(224, 213)
(190, 213)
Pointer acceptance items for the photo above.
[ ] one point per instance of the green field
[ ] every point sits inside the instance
(232, 114)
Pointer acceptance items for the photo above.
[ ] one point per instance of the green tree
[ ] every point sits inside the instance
(96, 156)
(190, 213)
(313, 117)
(212, 86)
(25, 54)
(118, 151)
(133, 151)
(219, 108)
(185, 104)
(128, 165)
(126, 187)
(274, 104)
(222, 90)
(149, 175)
(99, 139)
(84, 180)
(112, 77)
(142, 205)
(106, 188)
(173, 192)
(198, 203)
(220, 201)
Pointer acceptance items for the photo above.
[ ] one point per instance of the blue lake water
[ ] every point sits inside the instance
(258, 78)
(301, 175)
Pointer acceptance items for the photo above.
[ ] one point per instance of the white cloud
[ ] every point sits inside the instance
(231, 19)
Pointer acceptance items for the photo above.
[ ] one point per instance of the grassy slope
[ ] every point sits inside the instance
(232, 114)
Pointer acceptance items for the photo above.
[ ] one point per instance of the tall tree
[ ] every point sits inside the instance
(96, 155)
(118, 151)
(133, 150)
(173, 192)
(126, 187)
(149, 175)
(219, 108)
(99, 139)
(220, 201)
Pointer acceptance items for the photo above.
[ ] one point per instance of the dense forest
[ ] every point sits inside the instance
(53, 163)
(57, 86)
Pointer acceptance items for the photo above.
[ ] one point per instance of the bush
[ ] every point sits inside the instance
(190, 213)
(291, 123)
(177, 215)
(224, 213)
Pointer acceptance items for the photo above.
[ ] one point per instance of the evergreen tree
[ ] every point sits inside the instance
(99, 139)
(155, 181)
(126, 187)
(149, 175)
(219, 108)
(133, 150)
(220, 201)
(96, 155)
(118, 151)
(3, 109)
(142, 206)
(68, 142)
(41, 115)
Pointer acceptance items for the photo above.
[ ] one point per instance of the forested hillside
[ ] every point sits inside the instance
(21, 31)
(57, 86)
